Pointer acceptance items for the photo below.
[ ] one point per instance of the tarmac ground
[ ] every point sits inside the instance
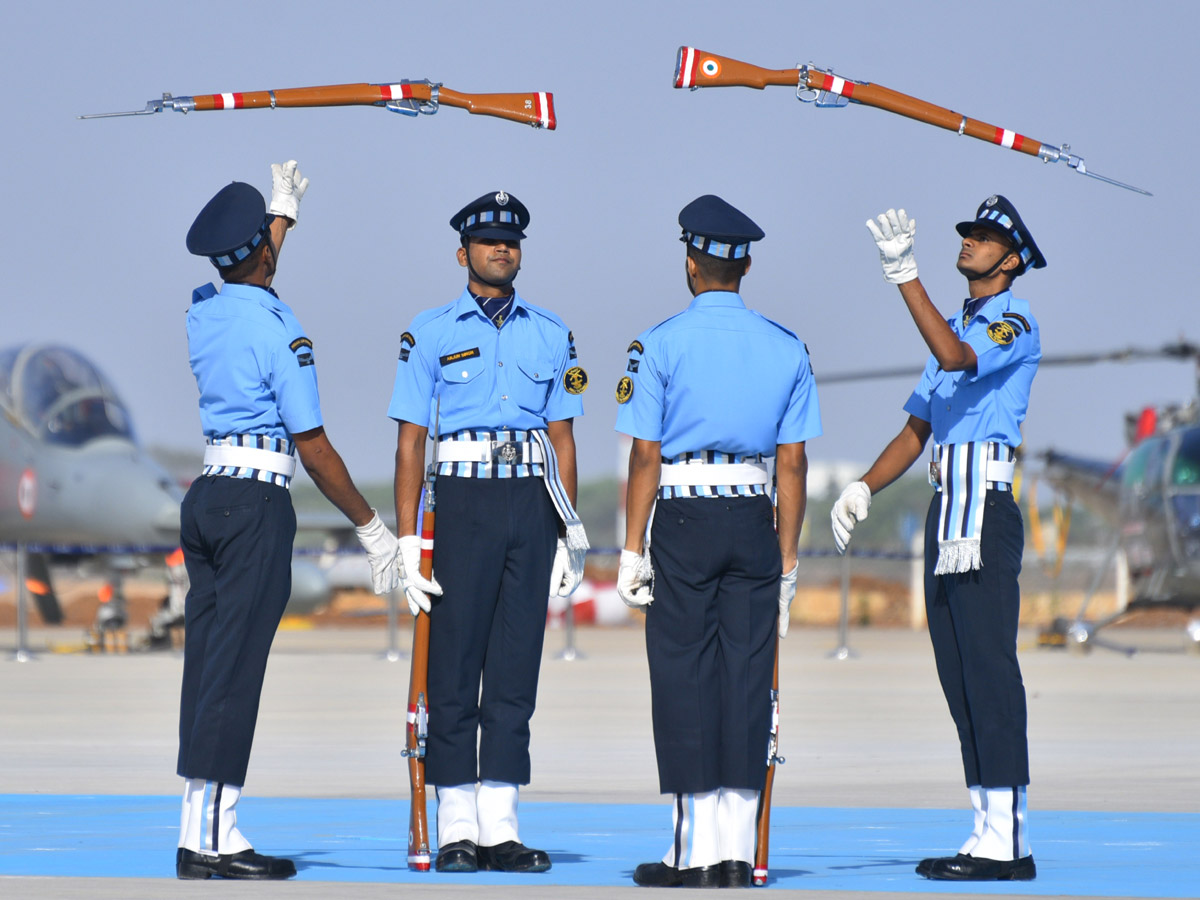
(89, 801)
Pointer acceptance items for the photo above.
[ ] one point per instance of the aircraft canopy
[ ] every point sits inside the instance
(60, 395)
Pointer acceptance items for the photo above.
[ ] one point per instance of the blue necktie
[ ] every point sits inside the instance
(494, 307)
(971, 307)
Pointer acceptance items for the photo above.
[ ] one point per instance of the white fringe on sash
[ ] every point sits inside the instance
(964, 496)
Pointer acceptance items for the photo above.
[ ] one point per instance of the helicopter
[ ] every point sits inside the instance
(1151, 500)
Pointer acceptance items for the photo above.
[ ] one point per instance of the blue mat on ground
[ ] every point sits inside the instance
(828, 849)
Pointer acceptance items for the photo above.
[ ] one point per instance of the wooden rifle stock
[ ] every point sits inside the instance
(418, 710)
(408, 97)
(699, 68)
(763, 845)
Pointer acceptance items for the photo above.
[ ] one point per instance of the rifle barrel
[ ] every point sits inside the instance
(535, 108)
(699, 68)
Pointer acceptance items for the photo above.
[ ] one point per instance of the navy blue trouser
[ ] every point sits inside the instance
(237, 545)
(973, 626)
(492, 555)
(710, 641)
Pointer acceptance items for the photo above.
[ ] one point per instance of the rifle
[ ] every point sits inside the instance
(409, 98)
(418, 686)
(695, 69)
(764, 799)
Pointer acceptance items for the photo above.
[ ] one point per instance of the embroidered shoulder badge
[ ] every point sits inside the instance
(1001, 332)
(636, 345)
(576, 380)
(302, 347)
(407, 342)
(624, 388)
(1020, 318)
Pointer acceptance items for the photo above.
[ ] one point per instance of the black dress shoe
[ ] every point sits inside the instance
(512, 856)
(976, 868)
(735, 873)
(457, 856)
(925, 865)
(657, 874)
(246, 865)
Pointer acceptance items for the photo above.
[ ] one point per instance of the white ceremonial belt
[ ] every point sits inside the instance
(713, 474)
(997, 470)
(224, 455)
(503, 452)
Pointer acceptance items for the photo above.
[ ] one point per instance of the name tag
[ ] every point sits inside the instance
(459, 356)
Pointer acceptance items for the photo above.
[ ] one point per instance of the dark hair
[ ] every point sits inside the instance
(241, 269)
(718, 271)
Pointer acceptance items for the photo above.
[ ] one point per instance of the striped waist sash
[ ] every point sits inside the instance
(511, 453)
(253, 456)
(964, 474)
(711, 473)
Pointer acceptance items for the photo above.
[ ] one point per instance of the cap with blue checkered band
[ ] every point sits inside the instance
(1001, 216)
(231, 225)
(714, 227)
(497, 216)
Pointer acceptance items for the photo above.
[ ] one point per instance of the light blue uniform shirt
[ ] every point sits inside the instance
(989, 403)
(718, 376)
(253, 364)
(518, 376)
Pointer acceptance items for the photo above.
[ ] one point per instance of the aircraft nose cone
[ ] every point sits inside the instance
(167, 518)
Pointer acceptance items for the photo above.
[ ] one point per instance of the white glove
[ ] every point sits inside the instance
(635, 579)
(379, 542)
(894, 238)
(787, 593)
(567, 571)
(849, 509)
(416, 588)
(287, 187)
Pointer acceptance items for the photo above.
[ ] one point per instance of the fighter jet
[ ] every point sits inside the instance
(75, 481)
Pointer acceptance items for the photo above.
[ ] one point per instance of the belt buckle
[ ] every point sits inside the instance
(935, 474)
(507, 452)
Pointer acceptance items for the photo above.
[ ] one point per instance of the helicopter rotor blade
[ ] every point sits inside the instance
(1180, 350)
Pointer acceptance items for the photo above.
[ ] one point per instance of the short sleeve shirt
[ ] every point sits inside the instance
(518, 376)
(718, 376)
(253, 364)
(990, 402)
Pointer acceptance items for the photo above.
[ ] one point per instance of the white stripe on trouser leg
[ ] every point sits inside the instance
(696, 839)
(979, 806)
(737, 817)
(193, 814)
(497, 805)
(221, 833)
(1005, 827)
(456, 818)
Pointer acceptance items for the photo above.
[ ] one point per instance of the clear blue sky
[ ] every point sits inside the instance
(96, 211)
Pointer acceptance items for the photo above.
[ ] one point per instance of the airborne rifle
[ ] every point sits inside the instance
(697, 68)
(410, 98)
